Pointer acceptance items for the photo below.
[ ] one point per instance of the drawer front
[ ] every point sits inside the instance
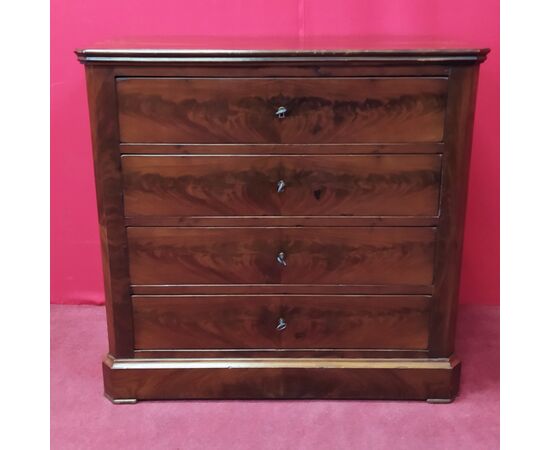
(279, 255)
(279, 322)
(368, 185)
(318, 110)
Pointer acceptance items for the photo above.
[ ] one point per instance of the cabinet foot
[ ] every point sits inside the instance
(120, 401)
(439, 400)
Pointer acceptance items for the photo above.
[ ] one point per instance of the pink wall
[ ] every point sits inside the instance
(75, 257)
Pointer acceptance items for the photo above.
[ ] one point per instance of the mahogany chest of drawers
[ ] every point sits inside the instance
(281, 223)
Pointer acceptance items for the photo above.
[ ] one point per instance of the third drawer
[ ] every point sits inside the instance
(281, 255)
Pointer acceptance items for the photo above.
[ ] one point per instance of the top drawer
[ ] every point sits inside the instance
(281, 110)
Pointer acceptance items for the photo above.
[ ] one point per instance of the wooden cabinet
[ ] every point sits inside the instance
(281, 223)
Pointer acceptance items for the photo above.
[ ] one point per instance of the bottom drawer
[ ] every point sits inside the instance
(281, 322)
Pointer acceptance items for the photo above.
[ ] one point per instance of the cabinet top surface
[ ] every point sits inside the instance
(161, 49)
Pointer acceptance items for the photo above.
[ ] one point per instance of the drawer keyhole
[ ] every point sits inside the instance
(281, 325)
(281, 112)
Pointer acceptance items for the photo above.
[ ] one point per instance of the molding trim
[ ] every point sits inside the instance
(280, 363)
(129, 380)
(293, 57)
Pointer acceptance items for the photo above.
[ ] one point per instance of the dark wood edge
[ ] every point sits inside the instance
(145, 56)
(280, 52)
(295, 61)
(108, 181)
(280, 149)
(303, 78)
(265, 227)
(280, 221)
(287, 289)
(454, 188)
(283, 378)
(280, 353)
(279, 70)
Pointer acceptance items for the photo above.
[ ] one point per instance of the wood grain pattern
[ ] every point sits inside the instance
(458, 132)
(282, 379)
(372, 248)
(313, 185)
(332, 255)
(108, 181)
(248, 321)
(328, 110)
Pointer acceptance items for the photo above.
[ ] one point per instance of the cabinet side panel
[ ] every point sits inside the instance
(108, 179)
(456, 160)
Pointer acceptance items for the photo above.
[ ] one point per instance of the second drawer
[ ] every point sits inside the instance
(281, 322)
(359, 185)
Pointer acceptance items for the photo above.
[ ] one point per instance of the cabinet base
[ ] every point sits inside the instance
(129, 380)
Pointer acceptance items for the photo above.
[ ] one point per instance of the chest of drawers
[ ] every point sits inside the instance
(281, 223)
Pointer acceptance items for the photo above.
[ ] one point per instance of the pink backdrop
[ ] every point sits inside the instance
(75, 252)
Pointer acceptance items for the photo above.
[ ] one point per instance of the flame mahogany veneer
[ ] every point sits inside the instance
(281, 222)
